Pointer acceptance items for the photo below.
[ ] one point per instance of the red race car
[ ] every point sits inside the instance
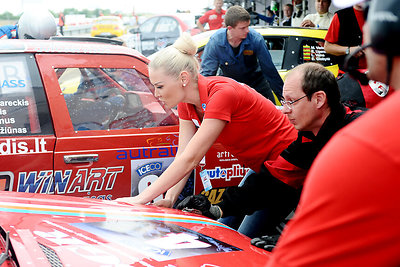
(43, 230)
(80, 118)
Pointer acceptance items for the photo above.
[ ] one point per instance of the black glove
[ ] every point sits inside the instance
(200, 204)
(267, 242)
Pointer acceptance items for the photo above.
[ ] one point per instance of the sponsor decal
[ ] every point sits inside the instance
(148, 168)
(59, 182)
(379, 88)
(315, 53)
(306, 52)
(236, 171)
(226, 156)
(14, 103)
(144, 172)
(248, 52)
(12, 146)
(163, 141)
(144, 153)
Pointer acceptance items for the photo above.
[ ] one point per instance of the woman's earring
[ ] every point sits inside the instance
(184, 84)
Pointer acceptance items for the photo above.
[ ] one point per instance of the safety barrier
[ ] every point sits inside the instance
(73, 30)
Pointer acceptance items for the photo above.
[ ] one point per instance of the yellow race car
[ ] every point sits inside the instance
(108, 26)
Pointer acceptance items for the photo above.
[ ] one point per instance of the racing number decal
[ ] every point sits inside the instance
(146, 182)
(214, 195)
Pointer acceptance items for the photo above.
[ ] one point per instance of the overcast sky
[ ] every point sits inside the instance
(124, 6)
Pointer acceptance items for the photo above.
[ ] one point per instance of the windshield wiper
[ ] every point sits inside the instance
(5, 255)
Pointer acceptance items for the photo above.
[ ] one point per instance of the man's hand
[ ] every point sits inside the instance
(267, 242)
(307, 23)
(200, 204)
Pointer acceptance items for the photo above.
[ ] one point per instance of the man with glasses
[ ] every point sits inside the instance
(312, 104)
(349, 211)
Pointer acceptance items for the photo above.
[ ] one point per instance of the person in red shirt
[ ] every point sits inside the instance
(312, 104)
(214, 17)
(349, 212)
(61, 22)
(345, 34)
(211, 109)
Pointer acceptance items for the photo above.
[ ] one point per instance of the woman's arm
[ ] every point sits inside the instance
(184, 162)
(186, 131)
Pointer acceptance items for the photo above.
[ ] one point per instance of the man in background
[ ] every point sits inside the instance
(61, 22)
(214, 17)
(298, 14)
(241, 54)
(320, 20)
(287, 15)
(344, 34)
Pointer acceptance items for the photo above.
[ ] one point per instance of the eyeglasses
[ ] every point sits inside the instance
(289, 104)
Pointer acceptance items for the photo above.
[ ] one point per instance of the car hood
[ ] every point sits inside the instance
(47, 230)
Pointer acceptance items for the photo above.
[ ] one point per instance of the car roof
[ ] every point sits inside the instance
(202, 38)
(90, 46)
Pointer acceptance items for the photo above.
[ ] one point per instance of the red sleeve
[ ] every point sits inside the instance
(286, 172)
(221, 103)
(332, 35)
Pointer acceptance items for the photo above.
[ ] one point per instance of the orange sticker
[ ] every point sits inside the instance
(248, 52)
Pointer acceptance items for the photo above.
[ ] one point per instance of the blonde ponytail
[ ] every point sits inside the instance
(181, 56)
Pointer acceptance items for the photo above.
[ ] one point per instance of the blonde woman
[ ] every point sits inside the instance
(211, 109)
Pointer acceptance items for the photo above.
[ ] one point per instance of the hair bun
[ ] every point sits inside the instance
(185, 44)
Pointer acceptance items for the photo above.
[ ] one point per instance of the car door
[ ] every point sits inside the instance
(166, 31)
(26, 133)
(113, 137)
(148, 36)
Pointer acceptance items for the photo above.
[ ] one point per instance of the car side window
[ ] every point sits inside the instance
(148, 25)
(167, 24)
(111, 99)
(313, 51)
(23, 105)
(276, 47)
